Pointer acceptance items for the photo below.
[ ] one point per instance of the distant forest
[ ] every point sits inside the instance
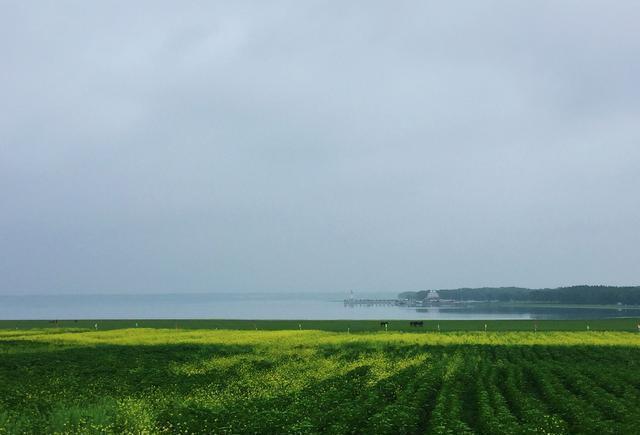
(582, 294)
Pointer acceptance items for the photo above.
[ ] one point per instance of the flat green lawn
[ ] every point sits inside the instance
(620, 324)
(144, 380)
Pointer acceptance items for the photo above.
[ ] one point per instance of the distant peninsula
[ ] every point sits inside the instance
(580, 294)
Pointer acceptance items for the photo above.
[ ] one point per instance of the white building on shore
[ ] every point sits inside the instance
(432, 297)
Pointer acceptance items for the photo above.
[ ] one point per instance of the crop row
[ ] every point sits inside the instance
(359, 386)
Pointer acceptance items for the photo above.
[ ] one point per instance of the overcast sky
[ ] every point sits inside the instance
(318, 146)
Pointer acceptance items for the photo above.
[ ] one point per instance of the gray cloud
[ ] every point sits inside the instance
(317, 146)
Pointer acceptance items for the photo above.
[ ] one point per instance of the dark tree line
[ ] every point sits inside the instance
(582, 294)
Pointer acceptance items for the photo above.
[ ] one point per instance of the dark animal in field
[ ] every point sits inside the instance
(420, 323)
(384, 323)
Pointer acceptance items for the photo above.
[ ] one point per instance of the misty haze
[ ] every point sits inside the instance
(252, 147)
(319, 217)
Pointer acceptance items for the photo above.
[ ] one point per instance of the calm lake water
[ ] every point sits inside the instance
(266, 306)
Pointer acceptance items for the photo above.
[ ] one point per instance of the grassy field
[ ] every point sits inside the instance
(144, 380)
(619, 324)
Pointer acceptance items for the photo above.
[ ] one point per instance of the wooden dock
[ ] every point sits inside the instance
(374, 302)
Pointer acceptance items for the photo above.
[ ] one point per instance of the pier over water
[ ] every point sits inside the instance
(373, 302)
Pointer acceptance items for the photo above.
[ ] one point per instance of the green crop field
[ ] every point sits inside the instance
(144, 380)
